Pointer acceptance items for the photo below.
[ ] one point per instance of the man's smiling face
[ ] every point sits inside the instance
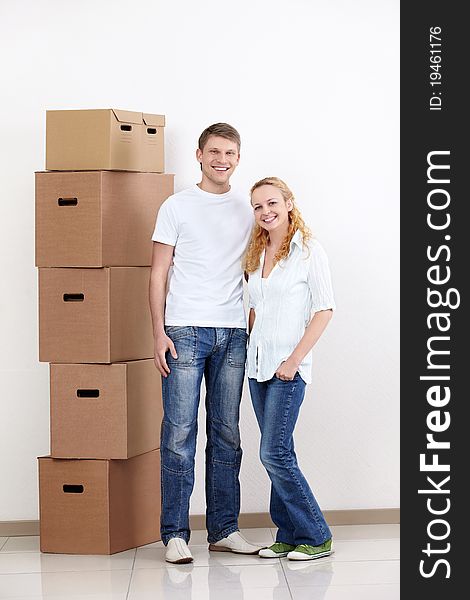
(219, 159)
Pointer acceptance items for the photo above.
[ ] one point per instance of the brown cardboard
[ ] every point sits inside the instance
(153, 143)
(126, 397)
(94, 315)
(97, 218)
(104, 139)
(106, 506)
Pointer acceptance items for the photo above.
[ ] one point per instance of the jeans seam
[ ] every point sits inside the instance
(170, 537)
(173, 472)
(225, 533)
(162, 496)
(178, 522)
(289, 469)
(306, 500)
(230, 360)
(285, 416)
(223, 462)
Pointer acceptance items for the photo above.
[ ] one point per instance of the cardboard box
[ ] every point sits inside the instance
(94, 315)
(104, 139)
(97, 218)
(105, 411)
(153, 143)
(99, 506)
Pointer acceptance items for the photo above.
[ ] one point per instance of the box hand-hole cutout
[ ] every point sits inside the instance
(88, 393)
(126, 127)
(151, 130)
(67, 201)
(72, 488)
(74, 297)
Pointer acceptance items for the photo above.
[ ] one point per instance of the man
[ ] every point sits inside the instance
(200, 331)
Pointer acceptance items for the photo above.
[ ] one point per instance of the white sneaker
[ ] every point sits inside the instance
(276, 550)
(306, 552)
(177, 551)
(235, 542)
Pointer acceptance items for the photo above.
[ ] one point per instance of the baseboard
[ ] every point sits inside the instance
(361, 516)
(371, 516)
(16, 528)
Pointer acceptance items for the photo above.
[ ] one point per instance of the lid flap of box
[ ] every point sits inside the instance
(127, 116)
(154, 120)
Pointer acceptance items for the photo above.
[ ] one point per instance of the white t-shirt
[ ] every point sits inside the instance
(284, 302)
(210, 233)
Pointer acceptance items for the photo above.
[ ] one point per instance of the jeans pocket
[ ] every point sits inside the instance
(236, 354)
(185, 340)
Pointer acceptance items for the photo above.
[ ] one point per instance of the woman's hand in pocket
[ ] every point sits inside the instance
(287, 370)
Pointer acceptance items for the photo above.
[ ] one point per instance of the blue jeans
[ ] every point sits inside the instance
(293, 507)
(218, 355)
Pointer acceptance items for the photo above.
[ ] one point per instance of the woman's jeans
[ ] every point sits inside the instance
(293, 507)
(218, 355)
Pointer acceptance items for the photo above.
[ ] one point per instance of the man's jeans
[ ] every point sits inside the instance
(293, 507)
(219, 355)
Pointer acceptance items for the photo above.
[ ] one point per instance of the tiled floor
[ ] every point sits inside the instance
(365, 566)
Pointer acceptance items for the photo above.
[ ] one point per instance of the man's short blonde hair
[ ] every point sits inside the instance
(222, 130)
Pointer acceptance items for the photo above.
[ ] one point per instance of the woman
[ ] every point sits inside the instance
(288, 281)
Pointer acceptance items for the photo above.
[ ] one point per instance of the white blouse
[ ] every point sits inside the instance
(284, 303)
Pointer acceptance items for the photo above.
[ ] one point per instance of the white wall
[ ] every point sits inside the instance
(313, 88)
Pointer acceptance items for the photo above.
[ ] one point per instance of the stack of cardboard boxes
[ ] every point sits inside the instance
(96, 205)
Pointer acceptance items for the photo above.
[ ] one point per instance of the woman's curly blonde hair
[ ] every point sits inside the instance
(260, 237)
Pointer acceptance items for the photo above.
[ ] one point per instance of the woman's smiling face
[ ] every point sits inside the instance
(270, 208)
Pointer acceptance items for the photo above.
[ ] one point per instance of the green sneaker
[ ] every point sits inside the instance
(277, 550)
(306, 552)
